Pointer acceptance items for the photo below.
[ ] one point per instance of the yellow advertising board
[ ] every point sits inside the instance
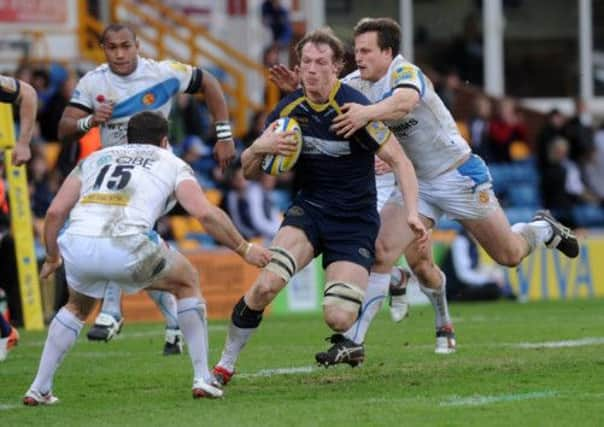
(548, 274)
(21, 226)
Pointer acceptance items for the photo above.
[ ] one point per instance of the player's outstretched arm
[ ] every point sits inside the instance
(393, 154)
(56, 215)
(218, 224)
(224, 150)
(269, 142)
(287, 80)
(355, 116)
(27, 112)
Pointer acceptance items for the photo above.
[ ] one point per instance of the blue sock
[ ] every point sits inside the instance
(4, 327)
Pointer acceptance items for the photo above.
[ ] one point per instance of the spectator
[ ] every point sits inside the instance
(50, 116)
(276, 17)
(466, 52)
(467, 280)
(579, 133)
(186, 119)
(447, 87)
(594, 168)
(506, 128)
(561, 183)
(236, 203)
(264, 214)
(553, 128)
(256, 128)
(479, 127)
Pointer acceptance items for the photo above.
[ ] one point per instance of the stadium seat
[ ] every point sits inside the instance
(589, 216)
(282, 199)
(51, 154)
(448, 224)
(214, 195)
(519, 214)
(180, 226)
(523, 195)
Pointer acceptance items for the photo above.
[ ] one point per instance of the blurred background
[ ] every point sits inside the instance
(524, 80)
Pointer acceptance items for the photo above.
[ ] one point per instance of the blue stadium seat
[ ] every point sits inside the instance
(523, 195)
(282, 199)
(589, 216)
(519, 214)
(448, 224)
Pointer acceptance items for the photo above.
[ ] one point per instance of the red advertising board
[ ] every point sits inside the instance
(33, 11)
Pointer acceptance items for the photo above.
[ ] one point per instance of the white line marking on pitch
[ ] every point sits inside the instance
(6, 407)
(478, 400)
(279, 371)
(560, 344)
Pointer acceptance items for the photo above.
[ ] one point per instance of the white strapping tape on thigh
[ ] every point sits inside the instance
(282, 263)
(347, 296)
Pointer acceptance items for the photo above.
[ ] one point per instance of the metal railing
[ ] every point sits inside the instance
(196, 45)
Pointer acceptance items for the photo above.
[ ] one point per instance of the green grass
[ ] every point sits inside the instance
(489, 381)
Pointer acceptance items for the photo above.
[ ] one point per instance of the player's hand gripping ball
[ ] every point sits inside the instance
(276, 164)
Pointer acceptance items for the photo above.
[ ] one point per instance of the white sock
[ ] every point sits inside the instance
(377, 289)
(112, 301)
(166, 302)
(438, 298)
(536, 233)
(236, 339)
(62, 334)
(193, 323)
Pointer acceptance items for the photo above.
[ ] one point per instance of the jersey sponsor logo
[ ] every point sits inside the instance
(148, 99)
(405, 126)
(178, 66)
(8, 84)
(117, 199)
(331, 148)
(364, 253)
(378, 131)
(484, 197)
(404, 72)
(295, 211)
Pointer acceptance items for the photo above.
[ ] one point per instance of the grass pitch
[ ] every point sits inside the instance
(537, 364)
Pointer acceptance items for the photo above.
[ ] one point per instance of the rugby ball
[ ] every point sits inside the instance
(277, 164)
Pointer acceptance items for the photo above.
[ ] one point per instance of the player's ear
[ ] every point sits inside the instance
(164, 143)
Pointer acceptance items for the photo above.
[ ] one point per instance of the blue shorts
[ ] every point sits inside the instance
(338, 238)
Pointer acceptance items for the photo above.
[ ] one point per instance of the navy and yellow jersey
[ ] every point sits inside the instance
(9, 89)
(336, 174)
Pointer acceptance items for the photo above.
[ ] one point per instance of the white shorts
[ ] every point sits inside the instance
(131, 262)
(462, 193)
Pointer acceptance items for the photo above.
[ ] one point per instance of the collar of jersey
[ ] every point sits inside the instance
(332, 94)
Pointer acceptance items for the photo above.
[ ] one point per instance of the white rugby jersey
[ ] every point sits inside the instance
(125, 189)
(150, 87)
(428, 134)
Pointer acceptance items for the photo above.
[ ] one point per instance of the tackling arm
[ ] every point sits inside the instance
(397, 106)
(218, 224)
(56, 215)
(393, 154)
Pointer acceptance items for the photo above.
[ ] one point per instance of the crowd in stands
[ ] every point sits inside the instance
(561, 170)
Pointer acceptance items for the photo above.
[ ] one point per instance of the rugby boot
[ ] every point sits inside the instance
(343, 350)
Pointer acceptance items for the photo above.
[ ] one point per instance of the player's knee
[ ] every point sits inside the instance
(341, 304)
(244, 317)
(264, 291)
(385, 253)
(81, 311)
(508, 257)
(423, 269)
(339, 320)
